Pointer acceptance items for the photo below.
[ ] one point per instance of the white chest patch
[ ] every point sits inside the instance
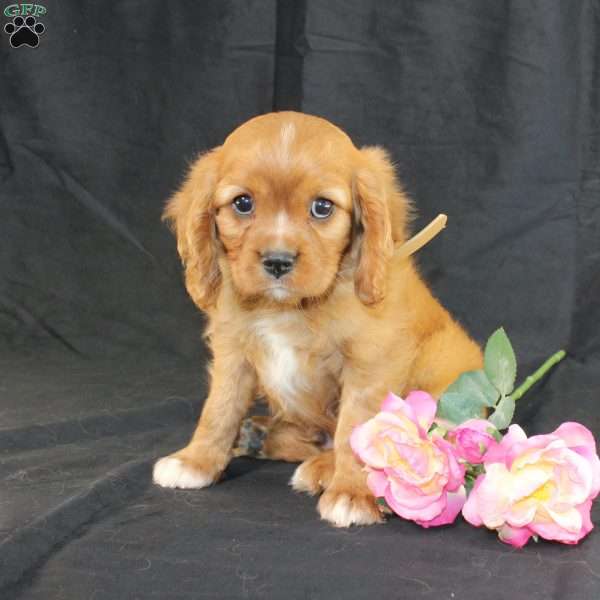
(281, 373)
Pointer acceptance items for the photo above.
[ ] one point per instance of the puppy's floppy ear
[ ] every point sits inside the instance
(190, 214)
(381, 213)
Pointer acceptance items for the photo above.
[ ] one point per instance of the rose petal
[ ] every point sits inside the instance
(552, 531)
(585, 510)
(498, 454)
(366, 439)
(531, 450)
(580, 439)
(515, 536)
(454, 503)
(526, 481)
(423, 406)
(411, 496)
(393, 403)
(569, 520)
(425, 513)
(592, 458)
(491, 496)
(522, 513)
(470, 509)
(378, 483)
(456, 471)
(575, 434)
(575, 479)
(480, 425)
(361, 440)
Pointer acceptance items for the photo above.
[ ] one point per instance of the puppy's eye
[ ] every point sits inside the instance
(243, 205)
(321, 208)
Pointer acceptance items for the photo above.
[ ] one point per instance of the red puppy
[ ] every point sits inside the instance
(287, 233)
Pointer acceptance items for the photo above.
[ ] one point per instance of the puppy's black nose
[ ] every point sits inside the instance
(278, 264)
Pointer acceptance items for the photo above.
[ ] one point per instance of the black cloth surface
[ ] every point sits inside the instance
(491, 111)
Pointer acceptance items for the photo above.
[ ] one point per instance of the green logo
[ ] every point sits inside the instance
(22, 10)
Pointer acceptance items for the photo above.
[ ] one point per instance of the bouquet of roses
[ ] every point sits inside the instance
(429, 461)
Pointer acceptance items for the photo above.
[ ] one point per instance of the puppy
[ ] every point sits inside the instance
(287, 235)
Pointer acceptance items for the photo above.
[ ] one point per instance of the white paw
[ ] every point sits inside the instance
(174, 473)
(314, 474)
(343, 510)
(300, 481)
(309, 477)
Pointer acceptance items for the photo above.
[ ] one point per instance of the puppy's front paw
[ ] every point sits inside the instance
(177, 472)
(345, 507)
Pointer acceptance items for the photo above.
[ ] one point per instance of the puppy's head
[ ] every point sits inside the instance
(280, 206)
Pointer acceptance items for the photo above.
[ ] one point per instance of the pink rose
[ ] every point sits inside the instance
(419, 476)
(538, 486)
(472, 439)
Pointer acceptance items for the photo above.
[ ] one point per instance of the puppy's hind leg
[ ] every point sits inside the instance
(271, 438)
(314, 474)
(276, 439)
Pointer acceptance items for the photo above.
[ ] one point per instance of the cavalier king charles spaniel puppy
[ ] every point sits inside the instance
(287, 233)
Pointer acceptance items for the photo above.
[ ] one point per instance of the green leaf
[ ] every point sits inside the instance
(503, 414)
(499, 362)
(438, 430)
(458, 407)
(383, 506)
(467, 398)
(495, 433)
(469, 483)
(477, 384)
(471, 475)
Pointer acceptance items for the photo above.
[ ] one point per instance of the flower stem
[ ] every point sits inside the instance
(538, 374)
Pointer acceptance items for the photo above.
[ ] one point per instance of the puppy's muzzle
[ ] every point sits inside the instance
(277, 264)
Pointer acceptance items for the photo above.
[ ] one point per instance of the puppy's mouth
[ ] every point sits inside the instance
(279, 292)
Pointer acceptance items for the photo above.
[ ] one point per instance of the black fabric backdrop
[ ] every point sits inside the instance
(491, 110)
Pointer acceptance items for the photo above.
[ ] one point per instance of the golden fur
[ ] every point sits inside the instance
(326, 342)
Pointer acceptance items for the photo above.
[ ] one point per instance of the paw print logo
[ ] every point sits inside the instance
(24, 31)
